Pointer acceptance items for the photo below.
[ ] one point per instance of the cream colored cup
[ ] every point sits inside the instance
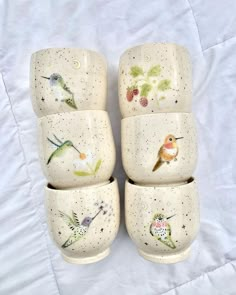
(155, 78)
(67, 79)
(162, 221)
(76, 148)
(83, 222)
(159, 148)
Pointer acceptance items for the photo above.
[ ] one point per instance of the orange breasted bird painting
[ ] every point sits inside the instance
(167, 152)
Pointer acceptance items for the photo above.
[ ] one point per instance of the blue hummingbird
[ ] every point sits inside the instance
(61, 90)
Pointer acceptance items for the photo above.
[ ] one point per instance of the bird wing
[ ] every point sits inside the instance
(51, 156)
(70, 100)
(67, 89)
(53, 142)
(160, 152)
(168, 242)
(168, 230)
(150, 229)
(68, 220)
(177, 152)
(57, 153)
(159, 161)
(75, 219)
(57, 139)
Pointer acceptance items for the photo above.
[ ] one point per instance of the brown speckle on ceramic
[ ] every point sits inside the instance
(79, 81)
(162, 221)
(83, 222)
(148, 155)
(76, 148)
(155, 78)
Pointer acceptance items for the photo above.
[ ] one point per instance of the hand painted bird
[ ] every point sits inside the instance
(79, 230)
(61, 148)
(168, 151)
(60, 90)
(161, 230)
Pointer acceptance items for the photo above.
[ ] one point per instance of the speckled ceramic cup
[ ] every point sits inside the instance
(159, 148)
(76, 148)
(83, 222)
(162, 221)
(67, 79)
(155, 78)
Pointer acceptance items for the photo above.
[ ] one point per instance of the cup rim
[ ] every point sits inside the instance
(50, 188)
(72, 48)
(190, 181)
(155, 43)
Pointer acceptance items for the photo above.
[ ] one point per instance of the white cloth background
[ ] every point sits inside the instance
(29, 262)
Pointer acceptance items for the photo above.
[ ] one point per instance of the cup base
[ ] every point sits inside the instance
(166, 259)
(86, 260)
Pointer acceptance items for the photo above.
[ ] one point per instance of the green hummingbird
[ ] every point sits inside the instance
(79, 230)
(161, 230)
(61, 147)
(60, 89)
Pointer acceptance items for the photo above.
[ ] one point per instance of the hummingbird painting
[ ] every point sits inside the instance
(79, 230)
(61, 147)
(161, 230)
(61, 90)
(168, 151)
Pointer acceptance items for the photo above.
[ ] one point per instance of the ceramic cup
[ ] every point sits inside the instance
(155, 78)
(67, 79)
(76, 148)
(83, 222)
(159, 148)
(162, 221)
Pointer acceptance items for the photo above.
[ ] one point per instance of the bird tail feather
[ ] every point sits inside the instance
(71, 102)
(157, 165)
(50, 158)
(168, 242)
(68, 242)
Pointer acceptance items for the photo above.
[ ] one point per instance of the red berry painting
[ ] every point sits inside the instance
(136, 91)
(147, 85)
(129, 94)
(143, 101)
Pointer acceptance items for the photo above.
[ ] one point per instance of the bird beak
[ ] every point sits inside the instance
(96, 214)
(178, 138)
(45, 77)
(76, 149)
(170, 216)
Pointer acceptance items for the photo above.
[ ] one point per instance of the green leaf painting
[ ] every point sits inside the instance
(82, 173)
(164, 85)
(99, 162)
(154, 71)
(146, 85)
(91, 169)
(145, 89)
(136, 71)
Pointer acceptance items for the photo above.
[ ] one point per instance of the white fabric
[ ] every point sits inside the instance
(29, 262)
